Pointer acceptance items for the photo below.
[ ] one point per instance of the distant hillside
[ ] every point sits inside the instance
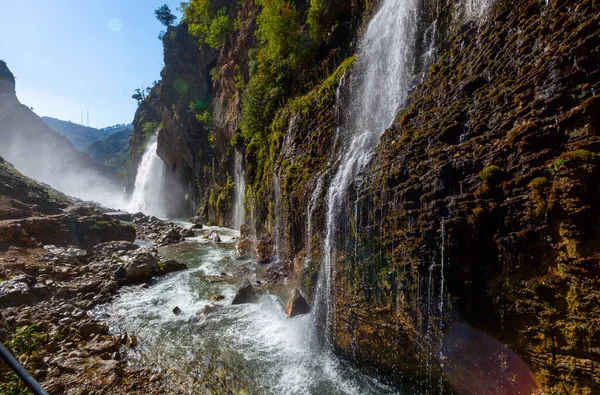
(113, 150)
(80, 136)
(108, 146)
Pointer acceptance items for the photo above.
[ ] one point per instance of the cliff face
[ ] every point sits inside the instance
(480, 205)
(40, 152)
(171, 111)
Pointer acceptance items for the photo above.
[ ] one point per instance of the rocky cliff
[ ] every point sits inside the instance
(481, 203)
(478, 206)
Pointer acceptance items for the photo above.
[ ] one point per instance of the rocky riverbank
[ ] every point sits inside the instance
(60, 258)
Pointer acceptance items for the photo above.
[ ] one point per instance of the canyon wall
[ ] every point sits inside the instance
(478, 206)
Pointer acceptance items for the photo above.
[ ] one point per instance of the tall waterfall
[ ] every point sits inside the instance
(378, 87)
(239, 191)
(149, 184)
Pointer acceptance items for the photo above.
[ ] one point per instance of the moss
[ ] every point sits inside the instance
(539, 195)
(490, 174)
(580, 154)
(475, 215)
(99, 225)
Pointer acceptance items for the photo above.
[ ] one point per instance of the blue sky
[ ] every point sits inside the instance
(72, 55)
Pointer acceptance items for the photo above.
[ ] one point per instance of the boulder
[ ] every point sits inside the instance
(15, 293)
(173, 266)
(197, 226)
(296, 305)
(185, 232)
(245, 294)
(139, 269)
(169, 236)
(214, 236)
(102, 346)
(177, 310)
(244, 249)
(196, 220)
(91, 329)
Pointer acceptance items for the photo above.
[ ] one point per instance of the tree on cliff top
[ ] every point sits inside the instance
(164, 15)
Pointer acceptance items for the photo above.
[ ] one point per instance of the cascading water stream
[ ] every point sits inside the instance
(149, 184)
(379, 84)
(277, 214)
(239, 191)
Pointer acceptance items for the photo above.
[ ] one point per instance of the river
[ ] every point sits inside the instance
(253, 347)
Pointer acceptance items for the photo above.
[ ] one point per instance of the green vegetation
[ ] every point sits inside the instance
(581, 155)
(25, 343)
(207, 24)
(164, 15)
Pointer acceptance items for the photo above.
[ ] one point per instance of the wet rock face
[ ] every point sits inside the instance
(245, 294)
(481, 203)
(264, 250)
(244, 249)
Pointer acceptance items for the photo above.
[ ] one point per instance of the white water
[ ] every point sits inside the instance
(255, 343)
(239, 191)
(277, 214)
(378, 87)
(149, 184)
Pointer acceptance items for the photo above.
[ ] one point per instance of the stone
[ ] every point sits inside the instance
(91, 329)
(173, 266)
(113, 247)
(214, 236)
(245, 294)
(217, 297)
(296, 305)
(138, 271)
(197, 226)
(177, 310)
(103, 372)
(169, 236)
(131, 341)
(185, 232)
(196, 220)
(13, 293)
(244, 249)
(102, 346)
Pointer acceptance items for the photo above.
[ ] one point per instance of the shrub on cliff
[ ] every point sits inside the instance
(207, 24)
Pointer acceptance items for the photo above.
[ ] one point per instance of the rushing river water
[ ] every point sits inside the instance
(256, 344)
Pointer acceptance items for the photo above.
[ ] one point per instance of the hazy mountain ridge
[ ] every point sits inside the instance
(107, 146)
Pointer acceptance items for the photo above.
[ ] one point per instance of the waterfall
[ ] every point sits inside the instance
(240, 190)
(149, 184)
(378, 88)
(277, 214)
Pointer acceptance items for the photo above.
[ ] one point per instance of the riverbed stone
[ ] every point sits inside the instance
(214, 236)
(245, 294)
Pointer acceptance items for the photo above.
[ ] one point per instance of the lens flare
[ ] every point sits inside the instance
(476, 364)
(114, 24)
